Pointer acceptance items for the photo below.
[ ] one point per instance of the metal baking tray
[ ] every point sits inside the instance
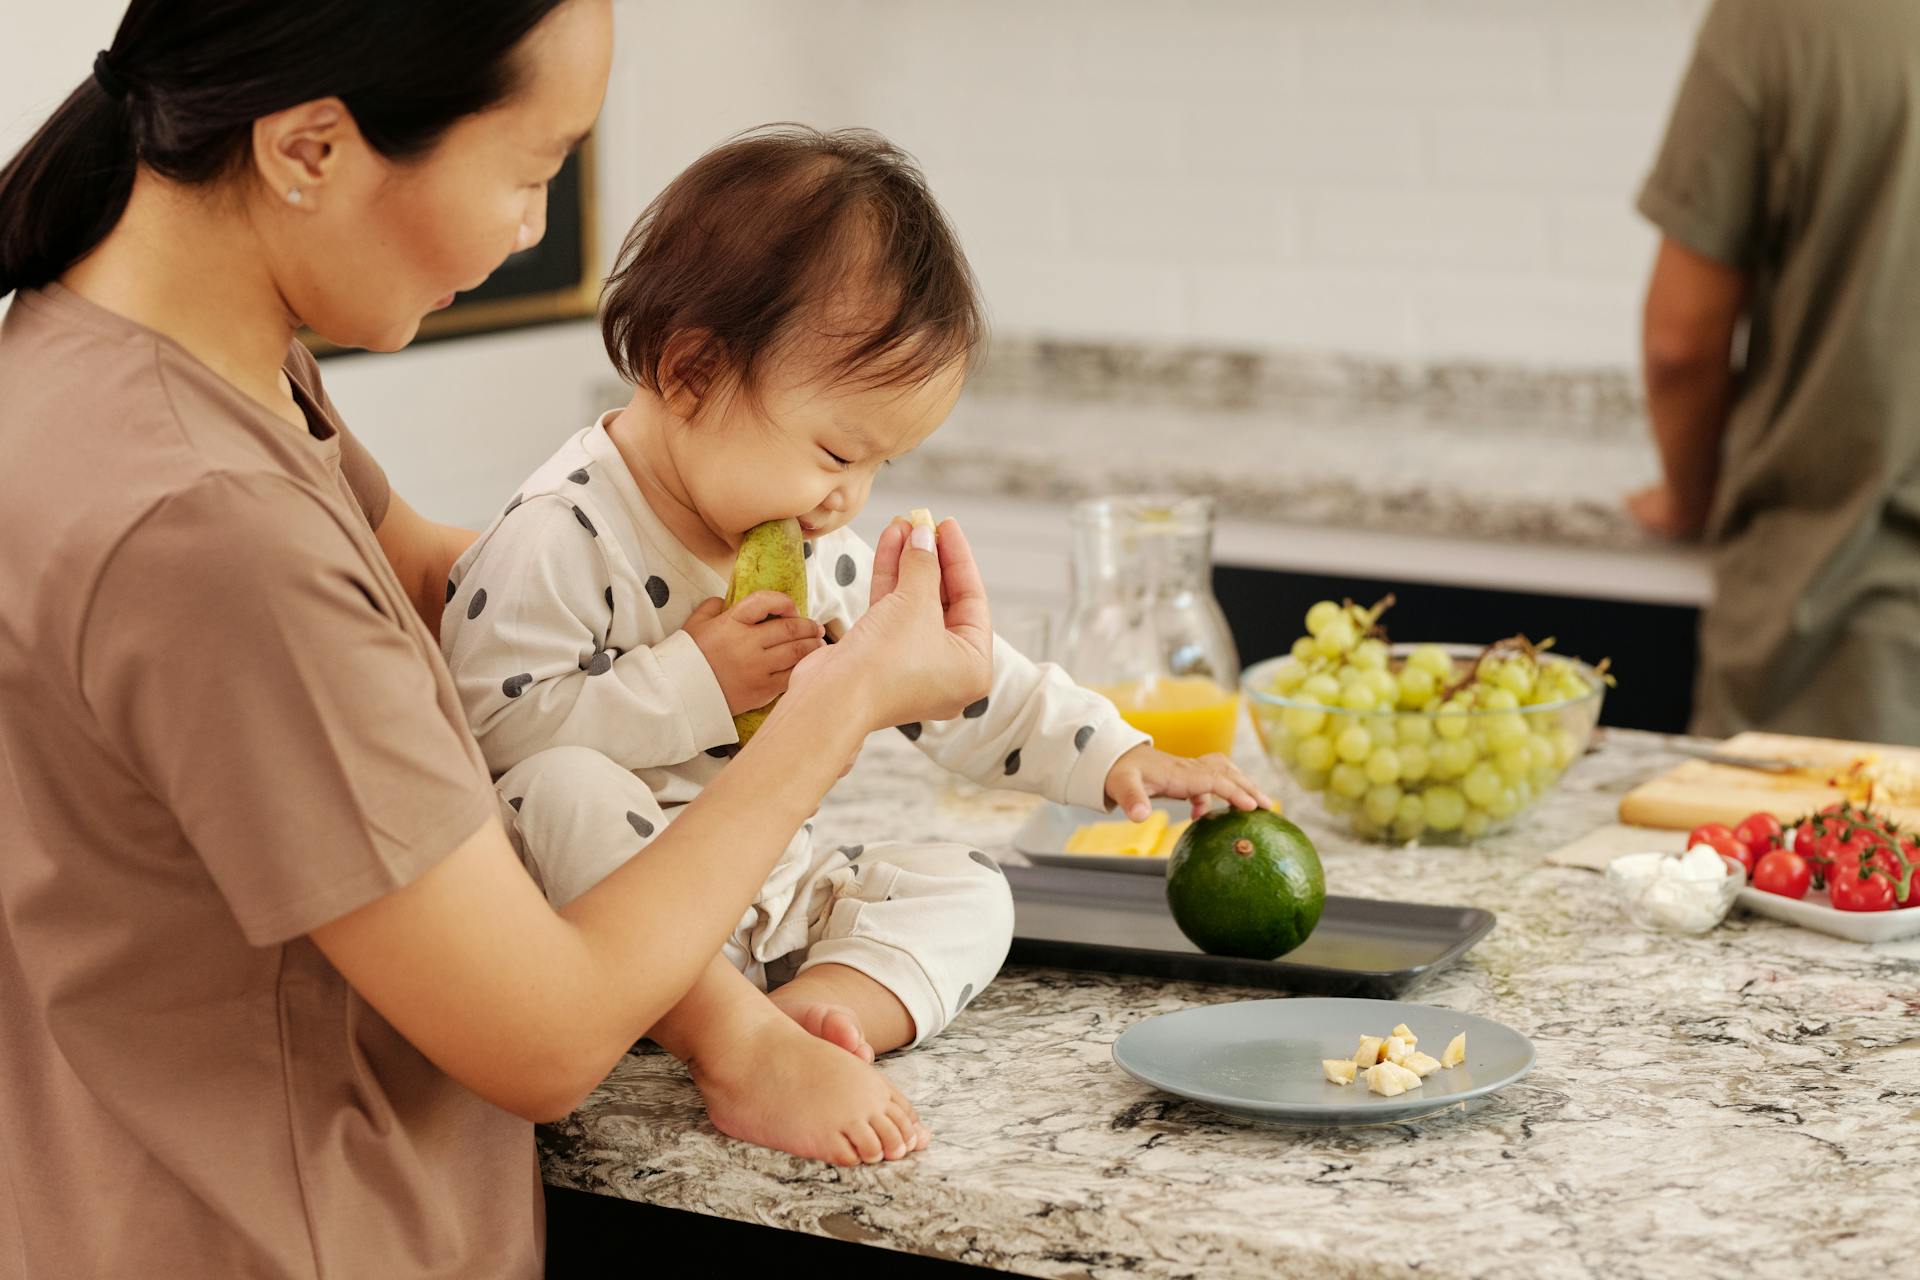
(1116, 922)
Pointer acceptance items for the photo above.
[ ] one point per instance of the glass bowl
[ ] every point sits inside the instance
(1673, 903)
(1439, 777)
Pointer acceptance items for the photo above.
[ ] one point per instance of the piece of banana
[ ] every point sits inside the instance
(1369, 1051)
(1456, 1051)
(1390, 1080)
(1395, 1050)
(1339, 1070)
(1406, 1035)
(1421, 1064)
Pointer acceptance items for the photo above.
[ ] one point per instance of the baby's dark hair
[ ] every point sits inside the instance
(774, 226)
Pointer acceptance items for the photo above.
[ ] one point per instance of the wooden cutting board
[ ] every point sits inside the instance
(1698, 792)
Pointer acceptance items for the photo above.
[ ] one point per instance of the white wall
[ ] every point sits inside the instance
(1403, 179)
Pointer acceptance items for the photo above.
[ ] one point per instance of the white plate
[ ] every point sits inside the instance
(1809, 913)
(1260, 1059)
(1043, 838)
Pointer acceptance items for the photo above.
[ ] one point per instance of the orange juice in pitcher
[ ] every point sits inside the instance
(1145, 629)
(1187, 715)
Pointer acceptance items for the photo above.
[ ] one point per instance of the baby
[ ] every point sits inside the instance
(794, 312)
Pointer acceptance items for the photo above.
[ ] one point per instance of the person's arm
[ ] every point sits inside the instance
(422, 553)
(530, 1007)
(1692, 311)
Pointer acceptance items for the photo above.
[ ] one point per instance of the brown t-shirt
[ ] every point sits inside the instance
(1794, 155)
(222, 724)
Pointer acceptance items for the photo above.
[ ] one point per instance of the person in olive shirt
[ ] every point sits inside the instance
(1788, 195)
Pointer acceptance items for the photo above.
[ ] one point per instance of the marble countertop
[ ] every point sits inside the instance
(1330, 462)
(1743, 1103)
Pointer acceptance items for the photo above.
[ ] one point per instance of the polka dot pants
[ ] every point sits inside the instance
(929, 922)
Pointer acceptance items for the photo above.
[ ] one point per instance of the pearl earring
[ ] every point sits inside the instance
(293, 195)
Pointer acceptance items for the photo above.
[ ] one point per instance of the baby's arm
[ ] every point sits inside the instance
(531, 662)
(1036, 730)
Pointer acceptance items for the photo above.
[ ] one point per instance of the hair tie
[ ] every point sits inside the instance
(108, 79)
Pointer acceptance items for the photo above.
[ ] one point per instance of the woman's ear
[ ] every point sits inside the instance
(299, 152)
(692, 368)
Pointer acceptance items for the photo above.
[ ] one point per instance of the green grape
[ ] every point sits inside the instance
(1365, 827)
(1414, 729)
(1515, 760)
(1359, 697)
(1383, 766)
(1499, 700)
(1316, 752)
(1381, 803)
(1354, 744)
(1482, 785)
(1322, 615)
(1321, 689)
(1337, 639)
(1505, 803)
(1452, 722)
(1384, 686)
(1311, 779)
(1415, 761)
(1446, 808)
(1417, 684)
(1452, 758)
(1411, 812)
(1303, 722)
(1337, 803)
(1433, 660)
(1288, 674)
(1370, 655)
(1504, 729)
(1516, 676)
(1305, 650)
(1541, 749)
(1349, 780)
(1475, 824)
(1285, 748)
(1565, 748)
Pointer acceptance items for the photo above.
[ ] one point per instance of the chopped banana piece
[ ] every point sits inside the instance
(921, 517)
(1369, 1051)
(1421, 1064)
(1456, 1051)
(1405, 1034)
(1395, 1050)
(1339, 1070)
(1383, 1078)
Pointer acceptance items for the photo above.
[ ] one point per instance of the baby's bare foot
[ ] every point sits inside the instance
(780, 1087)
(834, 1023)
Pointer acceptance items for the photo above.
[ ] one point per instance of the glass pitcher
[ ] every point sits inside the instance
(1144, 628)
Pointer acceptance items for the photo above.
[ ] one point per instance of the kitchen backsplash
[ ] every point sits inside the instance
(1426, 181)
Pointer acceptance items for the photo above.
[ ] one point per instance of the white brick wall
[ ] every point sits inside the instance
(1407, 179)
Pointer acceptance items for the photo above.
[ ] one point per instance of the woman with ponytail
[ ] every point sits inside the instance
(276, 996)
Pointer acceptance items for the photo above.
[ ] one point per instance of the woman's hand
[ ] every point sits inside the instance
(1143, 773)
(1657, 510)
(923, 650)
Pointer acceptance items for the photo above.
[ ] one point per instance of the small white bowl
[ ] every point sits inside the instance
(1673, 903)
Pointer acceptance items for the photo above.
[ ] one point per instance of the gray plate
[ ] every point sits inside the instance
(1260, 1059)
(1043, 838)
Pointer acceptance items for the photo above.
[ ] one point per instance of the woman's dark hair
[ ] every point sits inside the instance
(184, 80)
(785, 220)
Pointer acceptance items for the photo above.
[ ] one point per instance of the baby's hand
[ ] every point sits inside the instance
(1143, 773)
(754, 646)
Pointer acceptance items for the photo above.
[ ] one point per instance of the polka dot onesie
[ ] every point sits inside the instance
(600, 718)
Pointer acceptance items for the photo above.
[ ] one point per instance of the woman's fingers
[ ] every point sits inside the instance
(886, 560)
(964, 592)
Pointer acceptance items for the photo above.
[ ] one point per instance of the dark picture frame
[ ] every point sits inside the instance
(557, 279)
